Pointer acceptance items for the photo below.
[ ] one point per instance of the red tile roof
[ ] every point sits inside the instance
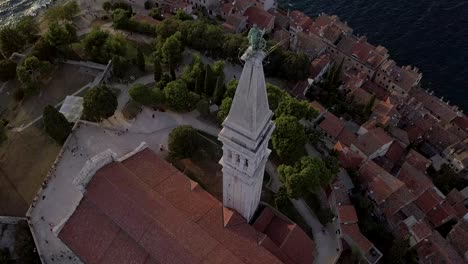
(417, 229)
(371, 141)
(317, 65)
(455, 199)
(461, 122)
(259, 17)
(395, 152)
(437, 107)
(143, 209)
(284, 239)
(458, 236)
(441, 214)
(373, 88)
(414, 179)
(347, 137)
(348, 158)
(418, 160)
(317, 106)
(332, 125)
(347, 214)
(380, 183)
(353, 232)
(435, 249)
(397, 200)
(369, 54)
(429, 200)
(300, 19)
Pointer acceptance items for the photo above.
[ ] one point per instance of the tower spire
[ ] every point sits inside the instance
(245, 134)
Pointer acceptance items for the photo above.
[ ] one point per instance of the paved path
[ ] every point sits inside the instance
(326, 242)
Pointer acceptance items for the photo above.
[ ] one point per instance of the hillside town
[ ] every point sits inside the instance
(139, 132)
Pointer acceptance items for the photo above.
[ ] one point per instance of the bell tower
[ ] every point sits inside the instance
(245, 135)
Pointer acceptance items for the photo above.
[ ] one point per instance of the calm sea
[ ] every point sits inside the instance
(430, 34)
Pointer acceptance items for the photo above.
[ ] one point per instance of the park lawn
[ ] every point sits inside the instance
(25, 160)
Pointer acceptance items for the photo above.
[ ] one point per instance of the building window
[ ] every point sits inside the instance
(246, 163)
(237, 159)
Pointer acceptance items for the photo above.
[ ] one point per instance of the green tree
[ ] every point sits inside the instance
(30, 71)
(179, 97)
(62, 12)
(368, 108)
(140, 60)
(231, 88)
(44, 51)
(157, 70)
(141, 94)
(203, 107)
(11, 41)
(171, 52)
(210, 81)
(61, 36)
(194, 74)
(275, 96)
(446, 179)
(102, 47)
(289, 138)
(281, 198)
(167, 28)
(27, 26)
(119, 66)
(7, 70)
(307, 175)
(99, 103)
(156, 13)
(181, 15)
(165, 79)
(233, 45)
(107, 6)
(183, 142)
(224, 109)
(293, 107)
(55, 124)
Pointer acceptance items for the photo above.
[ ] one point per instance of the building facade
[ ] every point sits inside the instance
(245, 135)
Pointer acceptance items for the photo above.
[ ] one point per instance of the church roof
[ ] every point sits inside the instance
(250, 112)
(143, 210)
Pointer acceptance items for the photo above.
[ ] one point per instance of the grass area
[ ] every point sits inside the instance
(25, 160)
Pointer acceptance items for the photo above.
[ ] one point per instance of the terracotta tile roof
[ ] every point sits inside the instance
(359, 96)
(405, 77)
(435, 249)
(395, 152)
(419, 230)
(300, 19)
(458, 236)
(437, 107)
(144, 210)
(310, 44)
(347, 137)
(371, 141)
(373, 88)
(332, 125)
(347, 214)
(429, 199)
(441, 214)
(397, 200)
(318, 64)
(461, 122)
(455, 199)
(340, 192)
(259, 17)
(366, 53)
(227, 8)
(353, 232)
(317, 106)
(354, 79)
(281, 18)
(280, 35)
(440, 138)
(284, 239)
(348, 158)
(241, 5)
(413, 210)
(380, 183)
(399, 134)
(415, 180)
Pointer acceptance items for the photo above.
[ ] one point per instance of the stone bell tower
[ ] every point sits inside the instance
(245, 135)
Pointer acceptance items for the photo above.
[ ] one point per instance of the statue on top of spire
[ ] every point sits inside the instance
(256, 40)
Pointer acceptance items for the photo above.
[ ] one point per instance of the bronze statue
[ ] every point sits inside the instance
(256, 40)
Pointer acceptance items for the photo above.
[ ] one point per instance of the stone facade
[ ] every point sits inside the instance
(245, 135)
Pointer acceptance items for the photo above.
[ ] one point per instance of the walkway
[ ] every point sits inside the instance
(327, 243)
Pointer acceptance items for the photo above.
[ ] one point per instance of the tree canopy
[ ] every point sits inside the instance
(64, 11)
(61, 36)
(144, 95)
(171, 51)
(7, 70)
(225, 108)
(31, 70)
(183, 141)
(55, 124)
(289, 138)
(179, 97)
(293, 107)
(99, 103)
(100, 46)
(307, 175)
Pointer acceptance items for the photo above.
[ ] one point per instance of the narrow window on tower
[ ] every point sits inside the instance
(237, 159)
(246, 163)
